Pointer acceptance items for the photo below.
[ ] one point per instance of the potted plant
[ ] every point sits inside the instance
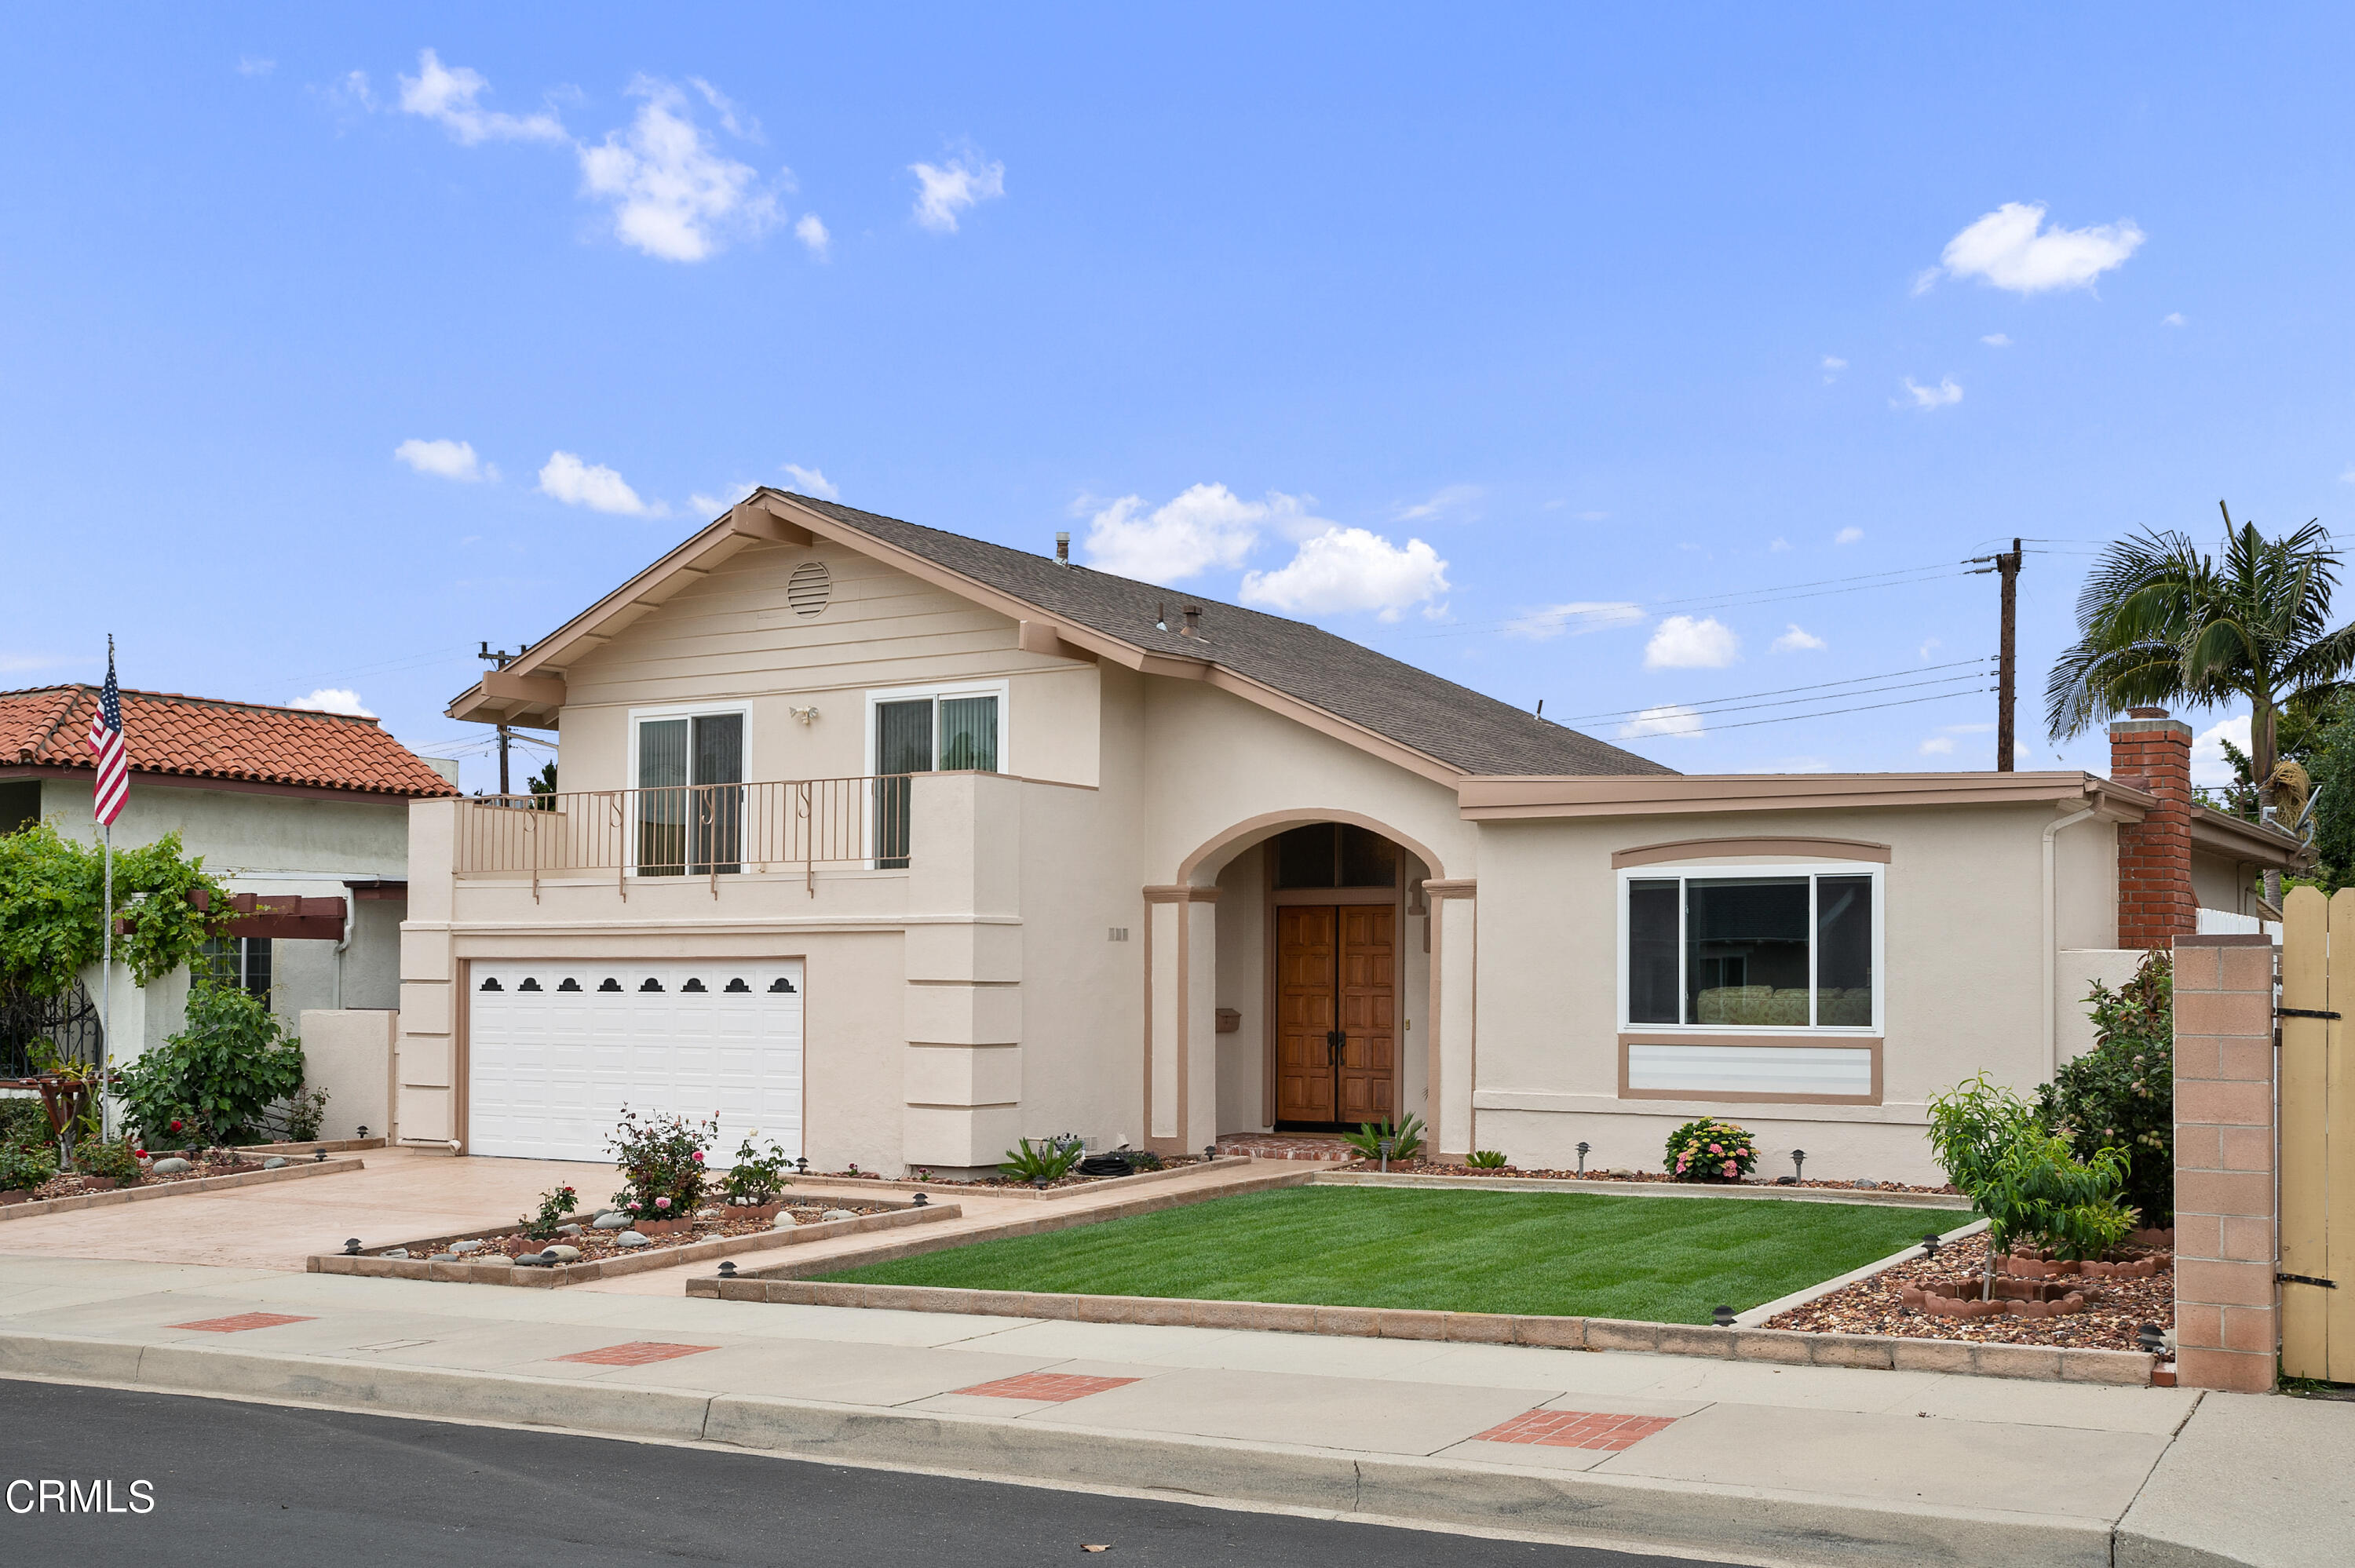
(661, 1157)
(756, 1182)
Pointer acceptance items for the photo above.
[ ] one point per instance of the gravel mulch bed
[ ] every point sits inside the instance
(596, 1245)
(2115, 1308)
(1434, 1168)
(62, 1186)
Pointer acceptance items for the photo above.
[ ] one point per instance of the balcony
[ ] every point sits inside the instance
(709, 831)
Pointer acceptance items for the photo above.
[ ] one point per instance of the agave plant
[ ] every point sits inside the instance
(1405, 1138)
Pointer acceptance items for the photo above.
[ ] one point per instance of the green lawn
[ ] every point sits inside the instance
(1668, 1260)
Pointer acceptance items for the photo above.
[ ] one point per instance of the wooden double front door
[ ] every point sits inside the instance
(1335, 1014)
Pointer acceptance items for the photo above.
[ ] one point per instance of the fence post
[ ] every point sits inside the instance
(2227, 1325)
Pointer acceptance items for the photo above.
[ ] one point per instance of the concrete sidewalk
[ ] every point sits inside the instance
(1783, 1464)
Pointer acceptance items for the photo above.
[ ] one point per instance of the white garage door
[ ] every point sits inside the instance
(556, 1050)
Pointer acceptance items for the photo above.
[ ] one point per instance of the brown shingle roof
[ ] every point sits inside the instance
(202, 738)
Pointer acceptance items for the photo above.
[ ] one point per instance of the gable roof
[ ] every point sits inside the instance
(1412, 716)
(202, 738)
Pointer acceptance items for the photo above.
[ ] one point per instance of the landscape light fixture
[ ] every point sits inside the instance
(1386, 1145)
(1209, 1151)
(2151, 1338)
(363, 1129)
(1798, 1165)
(727, 1268)
(352, 1247)
(1582, 1147)
(1930, 1244)
(922, 1202)
(318, 1156)
(1722, 1317)
(801, 1167)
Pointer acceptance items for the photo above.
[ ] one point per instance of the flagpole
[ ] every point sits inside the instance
(106, 993)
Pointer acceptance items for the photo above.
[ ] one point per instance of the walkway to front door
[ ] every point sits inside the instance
(1337, 1014)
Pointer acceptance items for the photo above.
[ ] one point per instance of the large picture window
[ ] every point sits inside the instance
(1750, 947)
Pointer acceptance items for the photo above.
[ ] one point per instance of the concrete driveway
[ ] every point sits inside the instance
(402, 1193)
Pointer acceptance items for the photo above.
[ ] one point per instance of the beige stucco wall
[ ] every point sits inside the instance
(2219, 882)
(1963, 988)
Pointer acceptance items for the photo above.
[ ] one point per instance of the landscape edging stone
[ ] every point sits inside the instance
(141, 1194)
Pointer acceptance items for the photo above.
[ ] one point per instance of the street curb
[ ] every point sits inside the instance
(1691, 1517)
(897, 1215)
(1644, 1189)
(1067, 1220)
(978, 1190)
(288, 1172)
(1784, 1347)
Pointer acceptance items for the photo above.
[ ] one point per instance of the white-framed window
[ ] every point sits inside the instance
(1775, 949)
(687, 765)
(927, 729)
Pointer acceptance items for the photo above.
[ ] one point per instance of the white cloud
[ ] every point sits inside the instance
(1680, 642)
(1451, 500)
(255, 65)
(1833, 366)
(1777, 545)
(1798, 640)
(1930, 647)
(1848, 536)
(1208, 525)
(1996, 339)
(445, 460)
(1346, 569)
(1938, 745)
(945, 190)
(811, 481)
(333, 700)
(12, 663)
(811, 232)
(1577, 618)
(447, 97)
(2172, 318)
(1674, 720)
(2348, 477)
(594, 485)
(712, 503)
(1592, 516)
(2209, 769)
(1972, 730)
(739, 125)
(674, 195)
(2007, 250)
(1946, 394)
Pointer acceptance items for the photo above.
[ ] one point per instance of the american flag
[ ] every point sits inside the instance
(106, 739)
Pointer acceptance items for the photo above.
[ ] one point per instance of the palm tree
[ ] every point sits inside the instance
(2159, 622)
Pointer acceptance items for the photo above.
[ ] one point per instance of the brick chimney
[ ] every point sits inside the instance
(2153, 753)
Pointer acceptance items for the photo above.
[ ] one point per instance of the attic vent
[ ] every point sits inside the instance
(809, 587)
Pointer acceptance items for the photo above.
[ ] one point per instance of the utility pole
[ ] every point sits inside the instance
(499, 657)
(2006, 567)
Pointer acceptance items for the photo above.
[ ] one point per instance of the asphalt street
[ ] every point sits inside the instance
(255, 1486)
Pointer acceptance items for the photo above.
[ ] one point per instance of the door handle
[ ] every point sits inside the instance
(1335, 1040)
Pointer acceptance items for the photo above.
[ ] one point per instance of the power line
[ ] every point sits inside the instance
(1738, 598)
(1817, 686)
(1827, 712)
(1729, 706)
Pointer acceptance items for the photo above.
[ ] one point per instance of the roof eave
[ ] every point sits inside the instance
(1505, 799)
(2220, 833)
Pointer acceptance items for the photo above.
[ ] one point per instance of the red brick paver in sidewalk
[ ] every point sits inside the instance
(1575, 1429)
(1055, 1386)
(636, 1353)
(241, 1323)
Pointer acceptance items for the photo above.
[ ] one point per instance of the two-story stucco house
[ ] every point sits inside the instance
(898, 845)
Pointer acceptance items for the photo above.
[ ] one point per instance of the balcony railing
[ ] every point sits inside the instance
(690, 830)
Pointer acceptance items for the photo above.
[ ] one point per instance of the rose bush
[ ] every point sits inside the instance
(661, 1157)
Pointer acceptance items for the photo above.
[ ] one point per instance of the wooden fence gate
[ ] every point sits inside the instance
(2318, 1135)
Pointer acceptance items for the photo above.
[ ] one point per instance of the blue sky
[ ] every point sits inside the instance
(336, 340)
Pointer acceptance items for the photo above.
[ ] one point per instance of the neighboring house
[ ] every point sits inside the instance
(307, 812)
(898, 845)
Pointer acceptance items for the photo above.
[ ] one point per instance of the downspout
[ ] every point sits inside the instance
(2053, 936)
(351, 909)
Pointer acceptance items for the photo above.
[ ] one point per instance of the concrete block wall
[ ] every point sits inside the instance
(2227, 1230)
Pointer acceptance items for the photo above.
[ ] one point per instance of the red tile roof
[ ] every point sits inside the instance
(204, 738)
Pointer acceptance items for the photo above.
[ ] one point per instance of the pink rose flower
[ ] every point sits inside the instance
(698, 1157)
(662, 1202)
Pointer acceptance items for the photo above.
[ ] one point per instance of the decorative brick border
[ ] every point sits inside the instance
(1645, 1189)
(973, 1190)
(563, 1273)
(1783, 1347)
(141, 1194)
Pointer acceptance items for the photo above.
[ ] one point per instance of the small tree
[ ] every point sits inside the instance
(2121, 1093)
(2025, 1180)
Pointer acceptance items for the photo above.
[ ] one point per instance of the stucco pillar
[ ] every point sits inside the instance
(1452, 1061)
(425, 1113)
(2227, 1320)
(1181, 998)
(962, 1070)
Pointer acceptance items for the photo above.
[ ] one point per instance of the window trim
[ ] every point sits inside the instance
(1683, 871)
(1001, 690)
(637, 716)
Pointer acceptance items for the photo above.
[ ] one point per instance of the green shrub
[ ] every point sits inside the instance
(1050, 1160)
(2027, 1181)
(2121, 1093)
(107, 1157)
(758, 1178)
(556, 1205)
(1405, 1138)
(1485, 1160)
(218, 1076)
(22, 1121)
(25, 1165)
(1711, 1151)
(661, 1157)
